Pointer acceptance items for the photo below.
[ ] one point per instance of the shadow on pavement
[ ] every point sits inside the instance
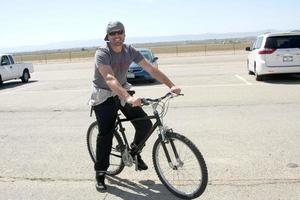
(288, 79)
(13, 84)
(145, 190)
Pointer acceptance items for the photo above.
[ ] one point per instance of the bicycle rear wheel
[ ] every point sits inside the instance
(186, 176)
(116, 163)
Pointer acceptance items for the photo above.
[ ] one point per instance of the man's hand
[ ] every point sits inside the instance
(175, 89)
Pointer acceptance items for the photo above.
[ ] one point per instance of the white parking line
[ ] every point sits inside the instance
(213, 85)
(194, 86)
(25, 88)
(244, 80)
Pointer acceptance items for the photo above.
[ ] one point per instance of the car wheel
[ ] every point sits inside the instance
(258, 77)
(25, 76)
(1, 82)
(152, 80)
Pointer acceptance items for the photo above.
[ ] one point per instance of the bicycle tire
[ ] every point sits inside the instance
(199, 176)
(116, 163)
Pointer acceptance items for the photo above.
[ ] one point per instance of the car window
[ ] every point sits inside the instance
(281, 42)
(146, 54)
(5, 59)
(258, 43)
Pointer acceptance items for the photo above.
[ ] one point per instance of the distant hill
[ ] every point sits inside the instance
(133, 40)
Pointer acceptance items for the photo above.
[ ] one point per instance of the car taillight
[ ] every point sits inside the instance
(266, 51)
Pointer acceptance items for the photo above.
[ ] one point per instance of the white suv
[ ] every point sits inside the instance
(274, 53)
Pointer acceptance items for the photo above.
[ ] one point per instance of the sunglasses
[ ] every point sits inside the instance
(119, 32)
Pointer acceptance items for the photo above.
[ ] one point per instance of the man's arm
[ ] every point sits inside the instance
(116, 87)
(159, 75)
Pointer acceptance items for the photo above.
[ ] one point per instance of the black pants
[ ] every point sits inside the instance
(106, 114)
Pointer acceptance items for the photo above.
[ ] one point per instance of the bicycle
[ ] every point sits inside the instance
(177, 161)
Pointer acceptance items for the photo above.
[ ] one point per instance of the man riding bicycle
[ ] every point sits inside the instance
(111, 94)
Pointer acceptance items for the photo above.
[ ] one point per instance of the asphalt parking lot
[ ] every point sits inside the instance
(247, 131)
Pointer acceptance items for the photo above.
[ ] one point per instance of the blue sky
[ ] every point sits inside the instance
(35, 22)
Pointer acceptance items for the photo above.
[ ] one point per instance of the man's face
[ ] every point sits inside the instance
(116, 37)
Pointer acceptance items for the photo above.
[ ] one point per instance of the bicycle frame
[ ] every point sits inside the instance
(157, 123)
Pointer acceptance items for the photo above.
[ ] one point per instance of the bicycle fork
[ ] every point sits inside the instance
(169, 141)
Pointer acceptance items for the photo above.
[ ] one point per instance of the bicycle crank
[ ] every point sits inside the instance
(127, 158)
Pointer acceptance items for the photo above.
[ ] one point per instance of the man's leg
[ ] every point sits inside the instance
(106, 114)
(142, 127)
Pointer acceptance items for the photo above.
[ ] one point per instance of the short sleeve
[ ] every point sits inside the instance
(136, 55)
(102, 58)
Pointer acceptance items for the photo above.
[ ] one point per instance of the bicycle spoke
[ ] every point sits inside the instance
(116, 164)
(118, 156)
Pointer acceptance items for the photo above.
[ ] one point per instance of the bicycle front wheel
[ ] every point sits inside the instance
(116, 163)
(180, 166)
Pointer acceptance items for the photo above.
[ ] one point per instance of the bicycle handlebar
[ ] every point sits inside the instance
(148, 101)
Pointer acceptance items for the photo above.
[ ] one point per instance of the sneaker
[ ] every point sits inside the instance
(100, 182)
(141, 164)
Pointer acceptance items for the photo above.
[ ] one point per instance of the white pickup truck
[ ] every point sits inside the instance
(9, 69)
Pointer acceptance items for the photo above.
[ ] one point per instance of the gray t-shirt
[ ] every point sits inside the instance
(119, 63)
